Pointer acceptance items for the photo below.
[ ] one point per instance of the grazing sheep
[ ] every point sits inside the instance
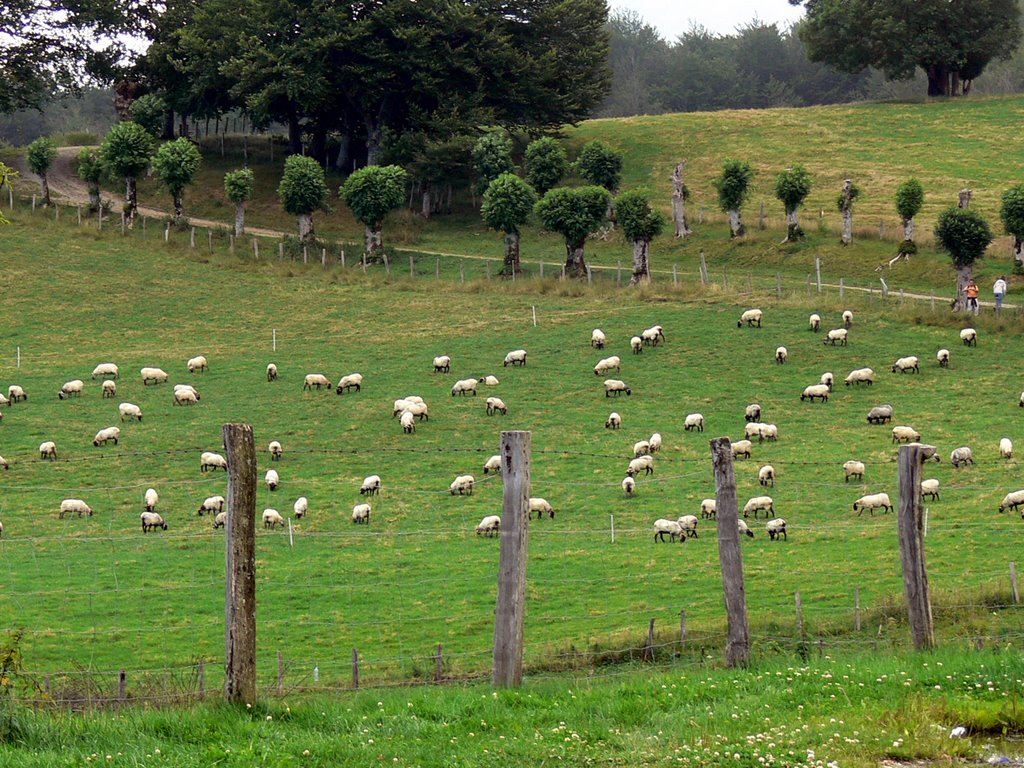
(641, 448)
(612, 363)
(643, 464)
(4, 400)
(861, 376)
(905, 435)
(943, 357)
(694, 421)
(1021, 401)
(271, 372)
(815, 390)
(628, 486)
(109, 388)
(48, 451)
(220, 520)
(769, 432)
(758, 504)
(847, 318)
(489, 526)
(211, 504)
(104, 436)
(1011, 501)
(104, 369)
(776, 529)
(962, 455)
(930, 487)
(4, 463)
(752, 412)
(828, 379)
(370, 486)
(871, 502)
(781, 353)
(670, 527)
(743, 528)
(185, 397)
(151, 499)
(211, 460)
(153, 376)
(272, 518)
(541, 507)
(71, 388)
(1, 530)
(616, 386)
(906, 364)
(272, 479)
(187, 388)
(766, 475)
(408, 422)
(464, 387)
(496, 405)
(1006, 448)
(836, 336)
(462, 484)
(490, 381)
(597, 339)
(493, 464)
(79, 507)
(741, 448)
(401, 405)
(651, 336)
(636, 344)
(854, 468)
(197, 363)
(151, 521)
(300, 507)
(316, 380)
(969, 337)
(880, 414)
(515, 357)
(709, 509)
(655, 442)
(351, 381)
(614, 421)
(16, 394)
(752, 317)
(275, 450)
(129, 411)
(689, 525)
(753, 429)
(442, 364)
(361, 514)
(815, 322)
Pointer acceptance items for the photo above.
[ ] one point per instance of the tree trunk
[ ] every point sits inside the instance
(425, 207)
(318, 146)
(374, 136)
(183, 126)
(736, 228)
(178, 207)
(679, 195)
(511, 266)
(938, 80)
(641, 262)
(793, 231)
(963, 275)
(131, 200)
(344, 160)
(847, 211)
(305, 227)
(94, 198)
(1018, 252)
(46, 188)
(239, 219)
(575, 265)
(294, 132)
(908, 229)
(374, 244)
(168, 125)
(964, 198)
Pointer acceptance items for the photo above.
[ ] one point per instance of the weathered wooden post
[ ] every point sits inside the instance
(817, 271)
(682, 628)
(1013, 583)
(856, 608)
(737, 647)
(240, 609)
(911, 534)
(679, 195)
(649, 645)
(439, 664)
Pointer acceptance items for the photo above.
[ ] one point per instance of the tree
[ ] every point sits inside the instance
(126, 152)
(7, 176)
(302, 191)
(238, 186)
(177, 163)
(506, 206)
(964, 235)
(546, 164)
(370, 193)
(40, 156)
(909, 200)
(91, 171)
(680, 194)
(792, 187)
(1012, 214)
(149, 111)
(600, 165)
(573, 213)
(733, 189)
(844, 203)
(641, 224)
(492, 157)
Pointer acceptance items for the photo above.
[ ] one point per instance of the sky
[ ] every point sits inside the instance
(673, 17)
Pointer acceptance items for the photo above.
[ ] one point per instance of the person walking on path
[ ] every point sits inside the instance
(999, 289)
(971, 290)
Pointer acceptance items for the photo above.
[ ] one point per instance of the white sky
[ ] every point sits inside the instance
(673, 17)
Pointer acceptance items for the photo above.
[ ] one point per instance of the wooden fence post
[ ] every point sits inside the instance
(240, 619)
(856, 608)
(799, 617)
(355, 668)
(682, 628)
(842, 287)
(1013, 583)
(462, 271)
(703, 270)
(618, 273)
(515, 519)
(817, 271)
(911, 534)
(305, 254)
(675, 276)
(438, 665)
(192, 238)
(542, 269)
(649, 645)
(760, 217)
(122, 686)
(737, 647)
(201, 680)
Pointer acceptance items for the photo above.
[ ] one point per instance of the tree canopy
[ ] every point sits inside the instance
(126, 150)
(792, 187)
(1012, 214)
(507, 203)
(733, 185)
(600, 165)
(176, 164)
(909, 199)
(638, 220)
(303, 187)
(546, 163)
(963, 234)
(492, 157)
(238, 185)
(40, 155)
(372, 192)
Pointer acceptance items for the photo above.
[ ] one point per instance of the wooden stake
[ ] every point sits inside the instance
(280, 250)
(201, 680)
(842, 287)
(856, 608)
(911, 536)
(1013, 583)
(703, 270)
(305, 255)
(355, 668)
(737, 649)
(79, 215)
(438, 665)
(437, 268)
(192, 238)
(323, 258)
(256, 248)
(280, 674)
(618, 273)
(649, 645)
(817, 271)
(122, 686)
(675, 275)
(167, 229)
(209, 240)
(682, 629)
(462, 271)
(799, 618)
(542, 270)
(590, 276)
(412, 267)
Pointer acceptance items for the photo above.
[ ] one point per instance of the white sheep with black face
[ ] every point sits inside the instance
(871, 502)
(272, 518)
(515, 357)
(598, 339)
(776, 529)
(73, 388)
(752, 318)
(489, 526)
(670, 528)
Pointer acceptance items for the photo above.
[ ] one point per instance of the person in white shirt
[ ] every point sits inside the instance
(999, 289)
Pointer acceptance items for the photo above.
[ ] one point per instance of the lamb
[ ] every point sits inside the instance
(854, 468)
(969, 337)
(211, 504)
(905, 435)
(464, 387)
(614, 421)
(815, 322)
(815, 390)
(694, 421)
(197, 363)
(628, 486)
(1006, 448)
(781, 353)
(153, 376)
(109, 388)
(743, 528)
(880, 414)
(871, 502)
(48, 451)
(489, 526)
(847, 318)
(271, 372)
(185, 397)
(462, 484)
(1011, 501)
(272, 479)
(641, 448)
(151, 521)
(828, 379)
(655, 442)
(442, 364)
(751, 317)
(16, 394)
(758, 504)
(316, 380)
(211, 460)
(905, 364)
(220, 520)
(643, 464)
(104, 436)
(962, 455)
(71, 388)
(636, 344)
(361, 514)
(515, 357)
(752, 412)
(408, 422)
(709, 509)
(861, 376)
(776, 529)
(496, 405)
(943, 357)
(151, 499)
(490, 381)
(275, 450)
(616, 386)
(370, 486)
(104, 369)
(351, 381)
(741, 448)
(670, 527)
(930, 487)
(493, 464)
(541, 507)
(272, 518)
(79, 507)
(300, 507)
(689, 525)
(766, 475)
(597, 339)
(612, 363)
(836, 336)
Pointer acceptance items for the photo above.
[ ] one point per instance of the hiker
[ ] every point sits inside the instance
(999, 290)
(971, 291)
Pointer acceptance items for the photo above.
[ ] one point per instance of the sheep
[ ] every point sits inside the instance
(79, 507)
(220, 520)
(943, 357)
(515, 357)
(743, 528)
(616, 386)
(694, 421)
(781, 353)
(489, 526)
(906, 364)
(408, 422)
(541, 507)
(493, 464)
(836, 336)
(153, 376)
(962, 455)
(628, 486)
(351, 381)
(104, 369)
(853, 468)
(316, 380)
(709, 509)
(871, 502)
(4, 464)
(776, 529)
(860, 376)
(16, 394)
(828, 379)
(612, 363)
(151, 499)
(442, 364)
(464, 386)
(741, 448)
(753, 429)
(969, 337)
(496, 405)
(104, 436)
(71, 388)
(651, 336)
(185, 397)
(272, 479)
(757, 504)
(211, 460)
(641, 448)
(109, 388)
(769, 432)
(655, 442)
(614, 421)
(3, 399)
(689, 525)
(930, 487)
(271, 372)
(643, 464)
(814, 321)
(490, 381)
(151, 521)
(462, 484)
(275, 450)
(752, 412)
(1006, 448)
(670, 527)
(1, 530)
(847, 318)
(361, 514)
(48, 451)
(211, 504)
(1011, 501)
(766, 475)
(905, 435)
(370, 486)
(751, 317)
(597, 339)
(300, 507)
(417, 408)
(636, 344)
(189, 389)
(1021, 401)
(815, 390)
(197, 363)
(272, 518)
(880, 414)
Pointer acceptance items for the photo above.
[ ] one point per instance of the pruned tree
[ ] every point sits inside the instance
(964, 197)
(733, 187)
(964, 235)
(507, 204)
(303, 191)
(844, 203)
(238, 187)
(370, 194)
(641, 224)
(680, 194)
(177, 163)
(1012, 214)
(546, 164)
(149, 111)
(573, 212)
(600, 165)
(7, 177)
(909, 201)
(40, 156)
(90, 170)
(126, 152)
(492, 156)
(792, 187)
